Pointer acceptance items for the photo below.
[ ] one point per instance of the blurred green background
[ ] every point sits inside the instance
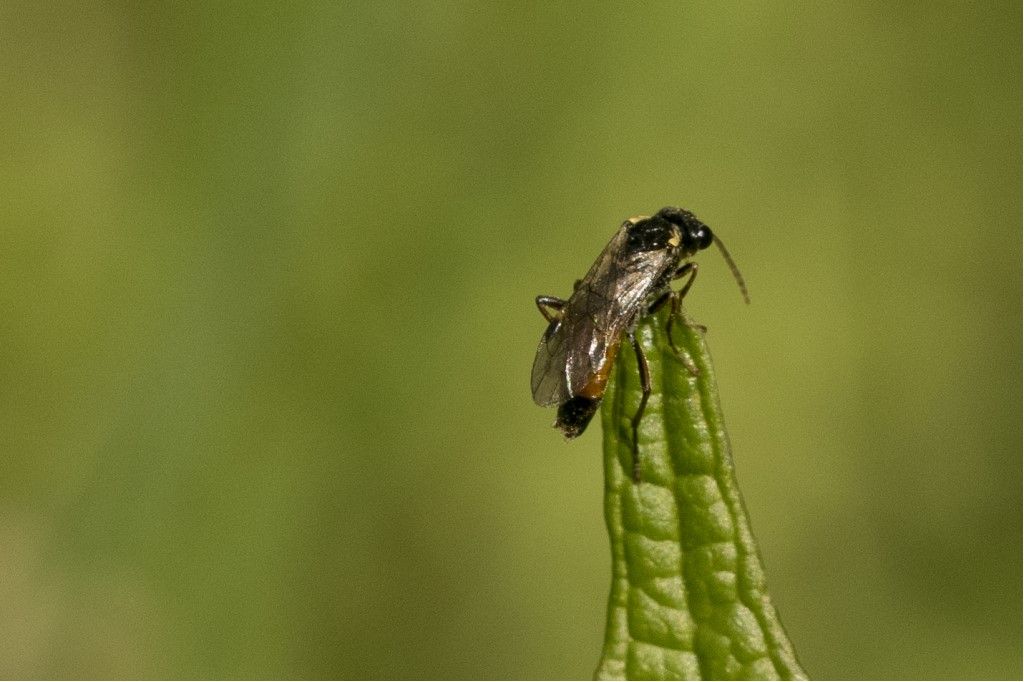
(267, 324)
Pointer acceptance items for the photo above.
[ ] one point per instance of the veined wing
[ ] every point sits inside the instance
(608, 309)
(576, 352)
(548, 379)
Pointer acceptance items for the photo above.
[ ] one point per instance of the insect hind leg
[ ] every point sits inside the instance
(550, 307)
(645, 386)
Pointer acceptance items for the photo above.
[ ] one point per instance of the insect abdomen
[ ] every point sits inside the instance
(575, 414)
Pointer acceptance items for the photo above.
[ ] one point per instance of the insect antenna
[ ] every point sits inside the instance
(735, 270)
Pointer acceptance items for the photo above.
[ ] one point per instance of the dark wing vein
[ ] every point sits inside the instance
(548, 379)
(576, 349)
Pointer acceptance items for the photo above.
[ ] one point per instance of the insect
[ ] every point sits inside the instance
(630, 279)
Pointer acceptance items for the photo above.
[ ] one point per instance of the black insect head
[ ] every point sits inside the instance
(696, 235)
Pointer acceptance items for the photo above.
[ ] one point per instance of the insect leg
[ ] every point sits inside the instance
(645, 385)
(550, 307)
(686, 269)
(677, 310)
(677, 298)
(681, 272)
(677, 313)
(662, 300)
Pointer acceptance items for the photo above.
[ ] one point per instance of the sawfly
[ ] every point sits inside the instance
(629, 280)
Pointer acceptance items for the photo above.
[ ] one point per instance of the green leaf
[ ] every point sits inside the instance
(688, 598)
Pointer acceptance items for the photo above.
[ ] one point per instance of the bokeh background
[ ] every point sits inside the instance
(267, 321)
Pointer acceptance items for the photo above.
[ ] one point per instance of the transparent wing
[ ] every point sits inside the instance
(605, 311)
(549, 378)
(577, 349)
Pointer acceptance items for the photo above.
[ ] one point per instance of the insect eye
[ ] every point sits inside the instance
(703, 237)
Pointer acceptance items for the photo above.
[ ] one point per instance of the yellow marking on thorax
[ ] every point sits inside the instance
(677, 236)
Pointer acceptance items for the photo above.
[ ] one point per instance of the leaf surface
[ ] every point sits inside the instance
(688, 598)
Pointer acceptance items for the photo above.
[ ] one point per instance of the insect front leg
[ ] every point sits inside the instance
(550, 307)
(684, 270)
(677, 313)
(645, 386)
